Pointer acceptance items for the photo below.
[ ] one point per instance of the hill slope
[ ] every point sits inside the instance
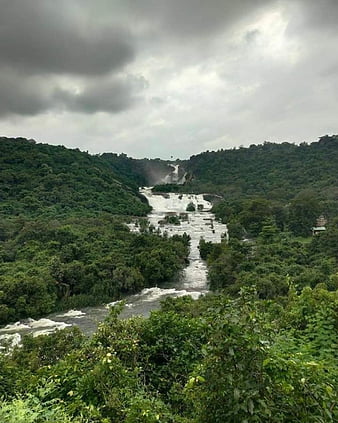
(276, 171)
(63, 238)
(41, 179)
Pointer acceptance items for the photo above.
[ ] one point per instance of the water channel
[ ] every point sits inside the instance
(192, 280)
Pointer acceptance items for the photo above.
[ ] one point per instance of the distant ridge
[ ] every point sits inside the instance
(269, 170)
(41, 179)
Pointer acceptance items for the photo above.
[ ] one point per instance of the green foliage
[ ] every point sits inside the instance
(216, 359)
(304, 210)
(236, 230)
(274, 171)
(52, 264)
(37, 352)
(40, 179)
(148, 410)
(205, 248)
(191, 207)
(327, 242)
(271, 262)
(172, 220)
(32, 410)
(166, 188)
(266, 351)
(250, 374)
(170, 346)
(289, 184)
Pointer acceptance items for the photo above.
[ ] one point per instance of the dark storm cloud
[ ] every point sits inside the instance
(43, 36)
(110, 96)
(211, 65)
(197, 18)
(42, 40)
(31, 96)
(21, 96)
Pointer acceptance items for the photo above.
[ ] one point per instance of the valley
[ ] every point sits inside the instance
(211, 297)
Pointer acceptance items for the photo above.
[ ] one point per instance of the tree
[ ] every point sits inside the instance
(191, 207)
(303, 212)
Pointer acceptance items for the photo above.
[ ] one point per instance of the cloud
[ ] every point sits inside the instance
(112, 95)
(314, 15)
(188, 75)
(43, 36)
(34, 95)
(22, 96)
(193, 18)
(44, 43)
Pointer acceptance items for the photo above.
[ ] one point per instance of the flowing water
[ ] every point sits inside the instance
(192, 280)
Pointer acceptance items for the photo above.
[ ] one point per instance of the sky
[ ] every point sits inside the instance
(168, 78)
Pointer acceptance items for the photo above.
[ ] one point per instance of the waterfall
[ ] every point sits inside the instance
(192, 281)
(175, 176)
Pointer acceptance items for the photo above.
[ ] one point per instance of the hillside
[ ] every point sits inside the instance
(45, 180)
(274, 171)
(143, 172)
(261, 346)
(63, 238)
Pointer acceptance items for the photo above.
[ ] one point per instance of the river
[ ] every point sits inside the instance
(192, 280)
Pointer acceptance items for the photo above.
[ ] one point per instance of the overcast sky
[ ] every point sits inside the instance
(162, 78)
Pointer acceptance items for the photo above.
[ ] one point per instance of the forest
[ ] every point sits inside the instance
(261, 346)
(52, 265)
(41, 180)
(214, 360)
(292, 184)
(64, 241)
(272, 171)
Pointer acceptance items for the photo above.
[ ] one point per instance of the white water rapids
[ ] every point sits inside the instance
(192, 281)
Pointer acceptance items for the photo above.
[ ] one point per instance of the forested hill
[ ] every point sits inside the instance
(142, 172)
(63, 238)
(46, 180)
(274, 171)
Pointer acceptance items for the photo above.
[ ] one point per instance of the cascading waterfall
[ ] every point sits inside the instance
(175, 177)
(192, 281)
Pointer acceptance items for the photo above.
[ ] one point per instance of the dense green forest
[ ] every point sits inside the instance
(274, 171)
(53, 181)
(293, 185)
(51, 264)
(213, 360)
(63, 238)
(269, 170)
(272, 261)
(143, 172)
(262, 346)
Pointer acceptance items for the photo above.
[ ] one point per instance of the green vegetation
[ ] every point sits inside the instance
(143, 172)
(63, 238)
(289, 184)
(273, 171)
(52, 264)
(44, 180)
(247, 216)
(191, 207)
(272, 261)
(166, 188)
(212, 360)
(172, 219)
(263, 347)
